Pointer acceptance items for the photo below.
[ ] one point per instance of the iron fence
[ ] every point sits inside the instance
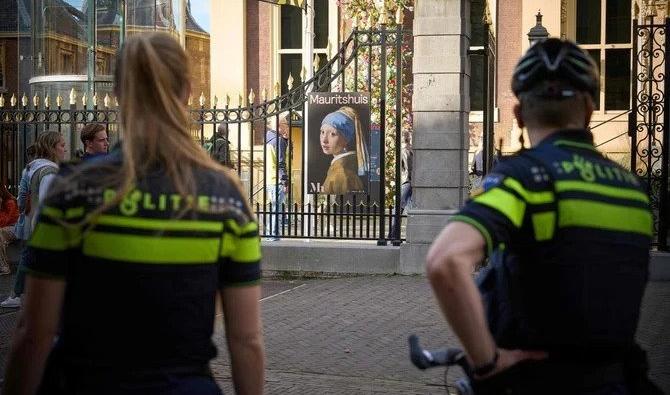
(239, 133)
(648, 120)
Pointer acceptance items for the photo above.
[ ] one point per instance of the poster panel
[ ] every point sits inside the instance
(338, 152)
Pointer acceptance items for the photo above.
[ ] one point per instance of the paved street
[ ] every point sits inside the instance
(348, 335)
(331, 336)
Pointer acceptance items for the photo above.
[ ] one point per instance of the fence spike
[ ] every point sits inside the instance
(2, 100)
(95, 99)
(201, 99)
(252, 96)
(59, 100)
(316, 62)
(303, 73)
(116, 101)
(277, 89)
(216, 101)
(240, 99)
(190, 101)
(73, 97)
(227, 100)
(289, 81)
(399, 15)
(105, 100)
(36, 101)
(24, 100)
(264, 94)
(84, 99)
(12, 100)
(46, 101)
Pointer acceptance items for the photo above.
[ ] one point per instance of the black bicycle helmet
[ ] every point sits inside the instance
(556, 60)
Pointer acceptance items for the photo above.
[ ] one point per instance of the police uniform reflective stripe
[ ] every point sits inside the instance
(587, 192)
(160, 256)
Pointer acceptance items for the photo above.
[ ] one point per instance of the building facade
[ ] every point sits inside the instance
(604, 30)
(48, 47)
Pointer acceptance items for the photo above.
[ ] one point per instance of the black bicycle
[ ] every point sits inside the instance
(424, 359)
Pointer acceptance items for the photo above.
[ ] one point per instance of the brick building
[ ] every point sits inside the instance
(604, 29)
(47, 52)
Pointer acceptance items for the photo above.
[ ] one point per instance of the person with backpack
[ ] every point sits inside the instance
(38, 174)
(9, 214)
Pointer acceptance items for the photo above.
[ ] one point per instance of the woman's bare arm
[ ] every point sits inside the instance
(242, 318)
(38, 324)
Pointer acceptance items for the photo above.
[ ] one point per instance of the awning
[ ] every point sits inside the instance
(295, 3)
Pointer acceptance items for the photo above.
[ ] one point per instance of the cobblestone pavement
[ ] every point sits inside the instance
(330, 336)
(348, 336)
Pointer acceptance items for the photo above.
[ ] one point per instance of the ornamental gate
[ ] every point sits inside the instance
(648, 120)
(371, 60)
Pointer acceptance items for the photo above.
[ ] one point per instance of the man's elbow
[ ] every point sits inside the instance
(440, 267)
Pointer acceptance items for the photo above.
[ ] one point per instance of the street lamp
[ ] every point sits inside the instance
(538, 32)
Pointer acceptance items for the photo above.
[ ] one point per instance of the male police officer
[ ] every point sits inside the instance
(567, 233)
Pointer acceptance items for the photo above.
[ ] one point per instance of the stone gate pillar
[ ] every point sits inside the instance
(440, 107)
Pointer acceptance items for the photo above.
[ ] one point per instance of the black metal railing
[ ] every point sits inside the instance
(648, 121)
(355, 216)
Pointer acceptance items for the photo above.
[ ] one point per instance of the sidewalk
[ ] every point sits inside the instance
(348, 336)
(334, 336)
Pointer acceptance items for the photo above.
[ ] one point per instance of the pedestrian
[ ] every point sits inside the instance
(219, 145)
(144, 240)
(35, 181)
(406, 162)
(17, 232)
(559, 300)
(9, 214)
(95, 140)
(276, 177)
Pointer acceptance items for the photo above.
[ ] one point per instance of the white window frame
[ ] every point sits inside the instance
(333, 27)
(571, 34)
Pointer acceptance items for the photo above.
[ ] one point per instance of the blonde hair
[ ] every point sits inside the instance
(45, 146)
(152, 83)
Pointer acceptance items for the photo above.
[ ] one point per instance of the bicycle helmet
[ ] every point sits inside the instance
(556, 60)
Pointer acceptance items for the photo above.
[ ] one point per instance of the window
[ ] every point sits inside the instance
(290, 36)
(479, 33)
(66, 62)
(2, 68)
(603, 29)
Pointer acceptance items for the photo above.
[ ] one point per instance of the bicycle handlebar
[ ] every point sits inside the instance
(424, 359)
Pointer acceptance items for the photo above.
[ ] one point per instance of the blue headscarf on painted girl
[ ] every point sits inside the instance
(344, 125)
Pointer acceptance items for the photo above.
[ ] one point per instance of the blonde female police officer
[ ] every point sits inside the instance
(132, 251)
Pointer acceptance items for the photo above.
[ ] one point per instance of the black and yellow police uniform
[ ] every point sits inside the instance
(142, 279)
(568, 233)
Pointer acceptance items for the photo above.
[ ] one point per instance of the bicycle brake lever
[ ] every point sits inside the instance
(420, 357)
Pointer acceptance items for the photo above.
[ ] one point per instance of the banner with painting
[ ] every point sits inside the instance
(338, 152)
